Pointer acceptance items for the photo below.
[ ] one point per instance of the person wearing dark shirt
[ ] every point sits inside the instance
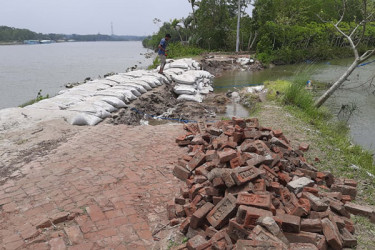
(161, 52)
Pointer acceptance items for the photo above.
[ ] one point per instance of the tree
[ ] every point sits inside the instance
(354, 37)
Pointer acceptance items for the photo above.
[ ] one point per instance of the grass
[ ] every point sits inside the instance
(38, 98)
(333, 138)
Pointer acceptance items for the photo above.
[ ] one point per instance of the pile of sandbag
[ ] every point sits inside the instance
(191, 82)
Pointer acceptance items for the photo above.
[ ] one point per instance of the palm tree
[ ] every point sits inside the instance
(193, 4)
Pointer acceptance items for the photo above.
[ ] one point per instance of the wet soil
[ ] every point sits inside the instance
(162, 102)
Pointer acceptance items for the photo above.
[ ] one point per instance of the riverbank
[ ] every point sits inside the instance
(113, 181)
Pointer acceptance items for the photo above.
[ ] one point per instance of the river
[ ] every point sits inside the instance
(357, 91)
(26, 69)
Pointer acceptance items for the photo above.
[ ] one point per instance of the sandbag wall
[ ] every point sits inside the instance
(90, 103)
(192, 84)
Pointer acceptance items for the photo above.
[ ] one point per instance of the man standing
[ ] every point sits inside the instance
(162, 48)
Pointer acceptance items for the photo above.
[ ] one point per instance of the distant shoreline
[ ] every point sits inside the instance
(21, 43)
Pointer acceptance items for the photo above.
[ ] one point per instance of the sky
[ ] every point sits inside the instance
(129, 17)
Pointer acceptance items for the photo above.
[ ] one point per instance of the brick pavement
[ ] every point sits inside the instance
(107, 187)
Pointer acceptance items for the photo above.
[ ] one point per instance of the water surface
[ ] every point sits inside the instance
(25, 69)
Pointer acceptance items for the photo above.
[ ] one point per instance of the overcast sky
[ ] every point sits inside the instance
(129, 17)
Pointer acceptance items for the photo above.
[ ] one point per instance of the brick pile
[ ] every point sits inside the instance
(247, 188)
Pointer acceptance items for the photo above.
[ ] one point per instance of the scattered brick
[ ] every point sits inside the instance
(181, 173)
(222, 212)
(199, 215)
(248, 182)
(332, 234)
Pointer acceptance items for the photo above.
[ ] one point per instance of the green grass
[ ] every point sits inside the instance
(38, 98)
(334, 137)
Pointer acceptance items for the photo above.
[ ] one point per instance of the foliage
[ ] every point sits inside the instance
(177, 50)
(283, 31)
(300, 103)
(9, 34)
(38, 98)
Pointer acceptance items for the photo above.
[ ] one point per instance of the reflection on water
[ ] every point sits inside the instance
(358, 90)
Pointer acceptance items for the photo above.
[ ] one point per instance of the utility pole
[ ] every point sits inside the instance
(238, 26)
(112, 29)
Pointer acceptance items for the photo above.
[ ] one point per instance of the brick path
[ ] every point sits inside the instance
(107, 187)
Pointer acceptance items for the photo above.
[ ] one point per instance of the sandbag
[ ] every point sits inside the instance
(85, 119)
(114, 101)
(193, 98)
(185, 79)
(180, 65)
(90, 109)
(123, 88)
(180, 89)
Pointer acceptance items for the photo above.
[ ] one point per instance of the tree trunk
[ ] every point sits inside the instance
(337, 84)
(248, 44)
(238, 26)
(255, 38)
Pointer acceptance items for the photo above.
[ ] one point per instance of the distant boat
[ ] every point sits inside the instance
(46, 41)
(31, 42)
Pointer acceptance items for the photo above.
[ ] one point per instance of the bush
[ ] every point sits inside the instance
(38, 98)
(177, 50)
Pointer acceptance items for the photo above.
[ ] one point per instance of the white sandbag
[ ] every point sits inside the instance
(201, 74)
(255, 89)
(138, 87)
(124, 96)
(185, 79)
(102, 104)
(123, 88)
(144, 84)
(167, 66)
(196, 65)
(193, 98)
(151, 80)
(161, 78)
(180, 65)
(176, 71)
(135, 73)
(180, 89)
(206, 90)
(90, 109)
(243, 61)
(114, 101)
(83, 119)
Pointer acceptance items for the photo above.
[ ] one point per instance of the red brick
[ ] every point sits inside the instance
(218, 182)
(302, 208)
(222, 212)
(332, 234)
(345, 190)
(189, 209)
(57, 244)
(311, 225)
(197, 243)
(245, 174)
(252, 123)
(304, 146)
(185, 226)
(350, 182)
(358, 209)
(260, 185)
(198, 159)
(221, 240)
(227, 155)
(198, 217)
(255, 200)
(235, 162)
(249, 215)
(59, 217)
(210, 231)
(95, 213)
(74, 234)
(303, 237)
(316, 203)
(181, 173)
(184, 191)
(346, 198)
(171, 210)
(258, 244)
(289, 223)
(180, 212)
(261, 234)
(302, 246)
(237, 231)
(211, 155)
(348, 240)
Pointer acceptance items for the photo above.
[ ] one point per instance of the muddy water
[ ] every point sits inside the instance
(358, 91)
